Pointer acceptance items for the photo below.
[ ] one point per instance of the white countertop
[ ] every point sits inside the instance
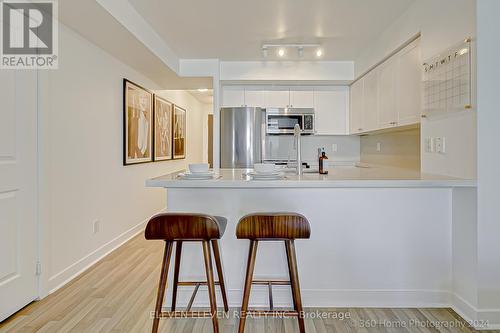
(339, 176)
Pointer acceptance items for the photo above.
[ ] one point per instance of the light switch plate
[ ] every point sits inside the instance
(429, 145)
(441, 145)
(335, 147)
(379, 146)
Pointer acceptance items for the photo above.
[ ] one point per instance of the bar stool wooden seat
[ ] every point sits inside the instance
(271, 227)
(180, 228)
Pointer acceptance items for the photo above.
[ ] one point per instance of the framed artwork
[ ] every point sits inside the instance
(179, 133)
(162, 129)
(137, 124)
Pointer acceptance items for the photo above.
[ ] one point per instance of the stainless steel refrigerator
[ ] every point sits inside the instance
(241, 131)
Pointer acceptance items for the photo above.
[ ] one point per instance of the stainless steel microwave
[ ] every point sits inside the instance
(283, 120)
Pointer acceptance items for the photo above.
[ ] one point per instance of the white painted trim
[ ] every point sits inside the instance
(69, 273)
(316, 298)
(199, 67)
(126, 14)
(476, 316)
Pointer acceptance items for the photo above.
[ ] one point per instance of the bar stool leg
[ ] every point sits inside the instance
(218, 264)
(252, 252)
(290, 273)
(162, 285)
(210, 284)
(177, 266)
(294, 279)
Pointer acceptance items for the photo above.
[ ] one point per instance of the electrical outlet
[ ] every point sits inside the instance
(335, 148)
(96, 226)
(379, 146)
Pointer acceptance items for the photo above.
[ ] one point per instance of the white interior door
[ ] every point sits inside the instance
(18, 189)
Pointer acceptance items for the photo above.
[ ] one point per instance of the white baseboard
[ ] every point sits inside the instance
(69, 273)
(480, 319)
(325, 298)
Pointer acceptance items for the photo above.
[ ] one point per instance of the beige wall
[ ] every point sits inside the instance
(83, 179)
(399, 149)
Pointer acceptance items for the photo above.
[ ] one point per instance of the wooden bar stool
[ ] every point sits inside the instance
(179, 228)
(271, 227)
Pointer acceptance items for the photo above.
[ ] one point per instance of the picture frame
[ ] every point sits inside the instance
(162, 133)
(179, 133)
(137, 124)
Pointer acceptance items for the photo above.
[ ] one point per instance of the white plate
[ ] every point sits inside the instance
(265, 174)
(199, 174)
(268, 178)
(190, 176)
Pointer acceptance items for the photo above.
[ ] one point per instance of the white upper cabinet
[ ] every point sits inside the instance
(277, 98)
(387, 93)
(331, 111)
(390, 94)
(357, 106)
(408, 85)
(301, 98)
(371, 101)
(255, 97)
(233, 96)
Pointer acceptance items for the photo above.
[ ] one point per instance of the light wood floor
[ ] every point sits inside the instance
(118, 293)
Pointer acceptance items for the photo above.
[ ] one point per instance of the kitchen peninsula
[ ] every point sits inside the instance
(381, 236)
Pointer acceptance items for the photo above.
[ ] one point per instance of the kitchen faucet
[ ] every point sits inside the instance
(297, 137)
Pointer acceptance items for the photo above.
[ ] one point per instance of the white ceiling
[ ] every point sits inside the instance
(236, 29)
(95, 24)
(205, 97)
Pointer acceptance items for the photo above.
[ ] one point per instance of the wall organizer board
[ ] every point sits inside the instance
(447, 85)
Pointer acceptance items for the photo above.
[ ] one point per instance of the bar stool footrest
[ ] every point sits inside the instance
(273, 313)
(185, 314)
(197, 285)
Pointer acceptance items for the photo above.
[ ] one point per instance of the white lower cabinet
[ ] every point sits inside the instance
(331, 111)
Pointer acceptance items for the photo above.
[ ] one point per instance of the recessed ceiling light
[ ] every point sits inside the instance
(281, 52)
(203, 90)
(319, 53)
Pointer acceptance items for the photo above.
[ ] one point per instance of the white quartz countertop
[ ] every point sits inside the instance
(339, 176)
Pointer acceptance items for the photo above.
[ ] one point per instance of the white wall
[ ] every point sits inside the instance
(442, 24)
(488, 12)
(287, 70)
(82, 172)
(196, 116)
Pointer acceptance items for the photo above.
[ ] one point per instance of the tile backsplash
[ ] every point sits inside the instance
(282, 147)
(399, 149)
